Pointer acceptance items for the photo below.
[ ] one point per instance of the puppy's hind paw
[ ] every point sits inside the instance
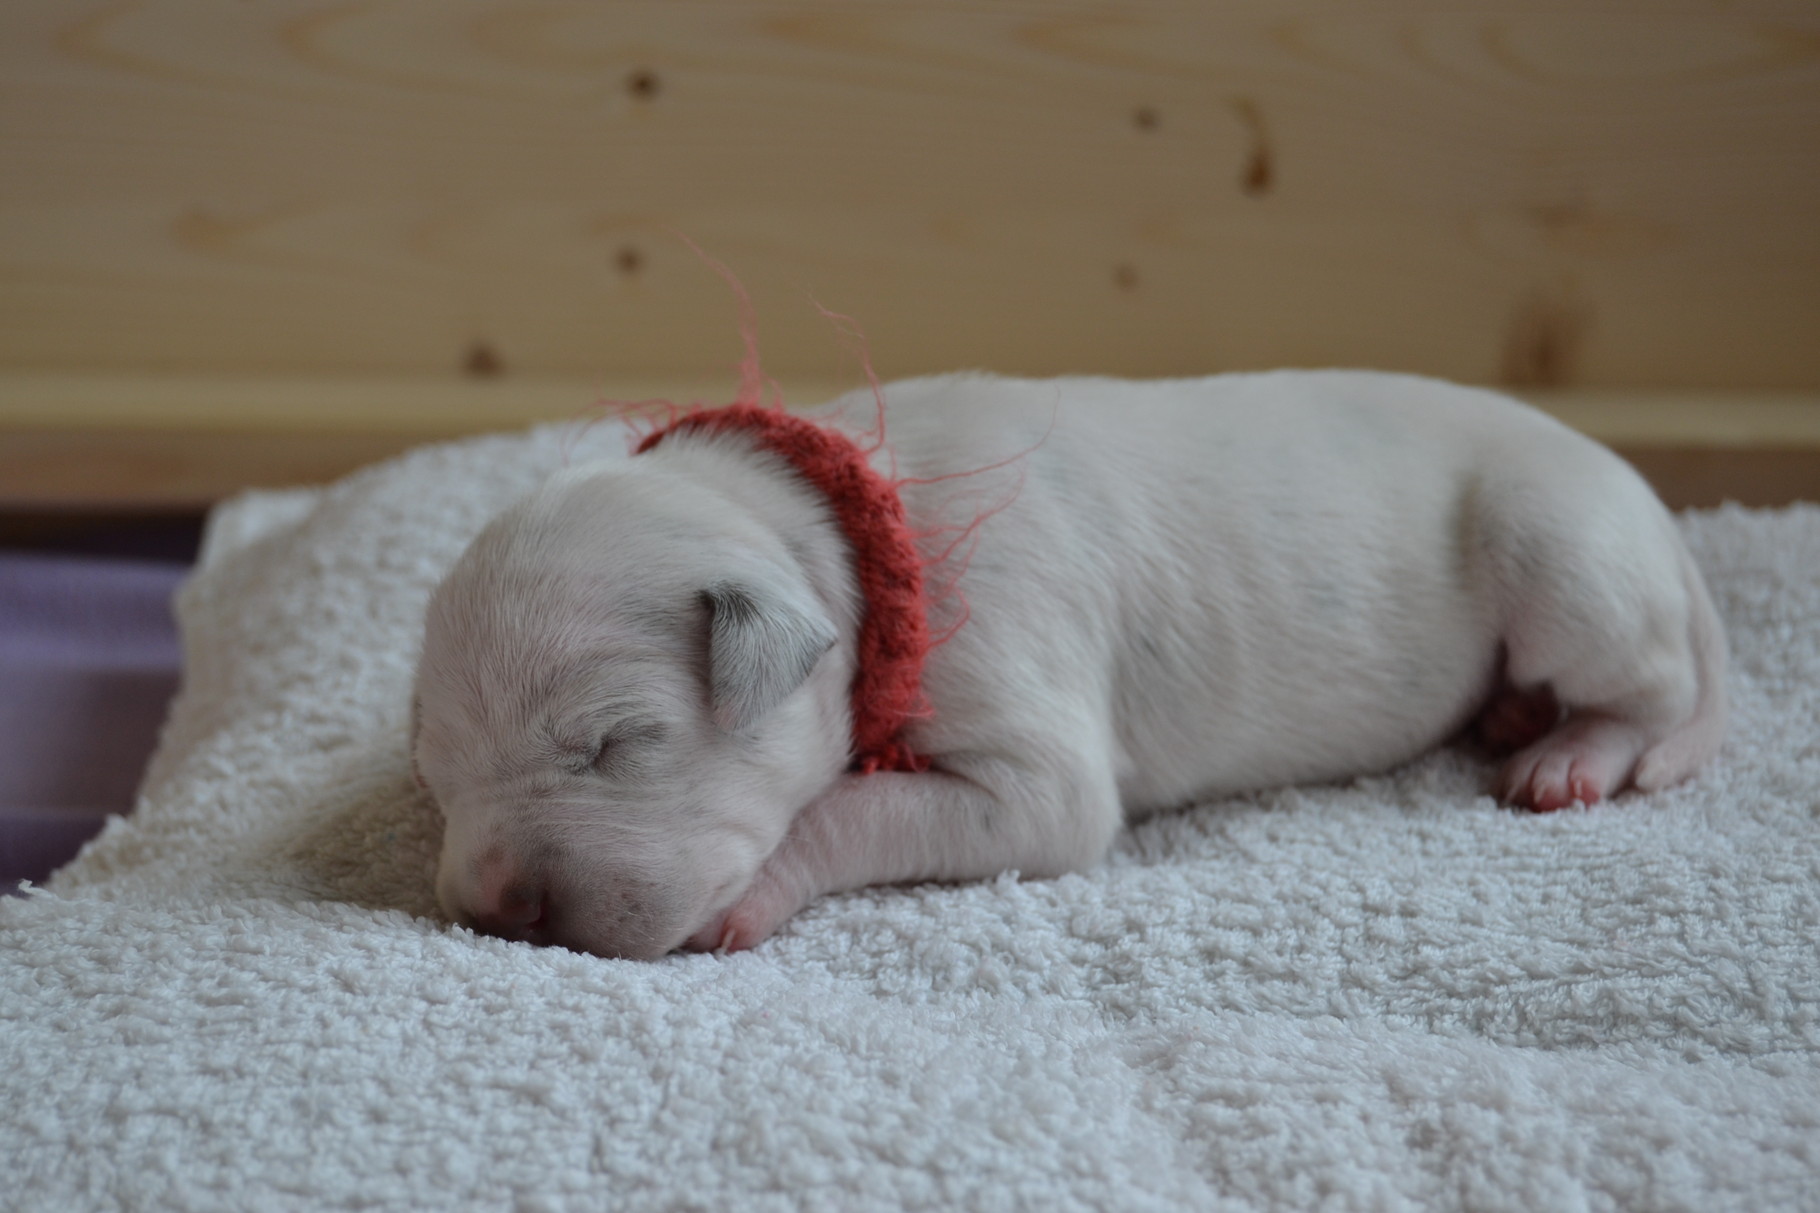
(1583, 761)
(1546, 792)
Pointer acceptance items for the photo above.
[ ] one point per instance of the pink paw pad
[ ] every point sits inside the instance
(1549, 798)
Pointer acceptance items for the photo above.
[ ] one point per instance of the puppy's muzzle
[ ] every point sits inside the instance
(612, 915)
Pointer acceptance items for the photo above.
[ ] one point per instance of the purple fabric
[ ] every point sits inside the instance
(89, 659)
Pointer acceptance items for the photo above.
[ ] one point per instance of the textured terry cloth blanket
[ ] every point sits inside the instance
(1390, 994)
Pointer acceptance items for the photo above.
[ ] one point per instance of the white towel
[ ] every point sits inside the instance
(1391, 994)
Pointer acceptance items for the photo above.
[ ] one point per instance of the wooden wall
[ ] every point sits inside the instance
(1533, 192)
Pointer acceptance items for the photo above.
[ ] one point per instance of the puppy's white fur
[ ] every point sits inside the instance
(633, 693)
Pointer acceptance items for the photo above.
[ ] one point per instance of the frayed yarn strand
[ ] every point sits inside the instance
(644, 417)
(753, 381)
(855, 340)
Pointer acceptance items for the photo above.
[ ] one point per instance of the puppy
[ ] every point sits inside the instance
(635, 702)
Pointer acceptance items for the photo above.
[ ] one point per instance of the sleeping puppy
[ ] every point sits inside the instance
(635, 709)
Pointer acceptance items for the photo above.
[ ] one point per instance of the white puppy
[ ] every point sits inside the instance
(633, 699)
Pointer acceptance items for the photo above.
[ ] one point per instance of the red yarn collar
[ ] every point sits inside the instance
(894, 634)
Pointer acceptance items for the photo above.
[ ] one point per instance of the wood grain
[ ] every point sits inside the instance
(411, 406)
(1532, 193)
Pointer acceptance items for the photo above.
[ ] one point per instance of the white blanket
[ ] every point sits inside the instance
(1386, 995)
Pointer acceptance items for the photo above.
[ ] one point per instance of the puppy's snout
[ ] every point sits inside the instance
(507, 902)
(614, 914)
(517, 914)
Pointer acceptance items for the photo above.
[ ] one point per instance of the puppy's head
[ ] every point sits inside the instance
(626, 693)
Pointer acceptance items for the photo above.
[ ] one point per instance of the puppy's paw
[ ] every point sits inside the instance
(1549, 783)
(1583, 761)
(749, 921)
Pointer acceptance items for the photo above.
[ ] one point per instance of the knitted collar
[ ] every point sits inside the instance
(894, 633)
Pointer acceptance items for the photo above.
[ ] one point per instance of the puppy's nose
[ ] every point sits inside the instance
(506, 903)
(517, 914)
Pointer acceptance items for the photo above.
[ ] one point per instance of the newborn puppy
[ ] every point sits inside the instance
(634, 701)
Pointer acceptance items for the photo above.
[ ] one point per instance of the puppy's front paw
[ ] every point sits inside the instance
(751, 920)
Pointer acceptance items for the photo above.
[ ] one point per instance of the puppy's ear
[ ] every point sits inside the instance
(761, 645)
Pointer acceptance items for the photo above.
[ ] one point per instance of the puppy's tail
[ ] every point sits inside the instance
(1696, 739)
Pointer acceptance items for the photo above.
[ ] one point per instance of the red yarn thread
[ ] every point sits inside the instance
(894, 632)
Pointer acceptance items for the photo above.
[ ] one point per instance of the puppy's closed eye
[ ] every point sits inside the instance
(625, 749)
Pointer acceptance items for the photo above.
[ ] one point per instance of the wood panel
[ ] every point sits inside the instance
(441, 406)
(1597, 194)
(116, 442)
(57, 474)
